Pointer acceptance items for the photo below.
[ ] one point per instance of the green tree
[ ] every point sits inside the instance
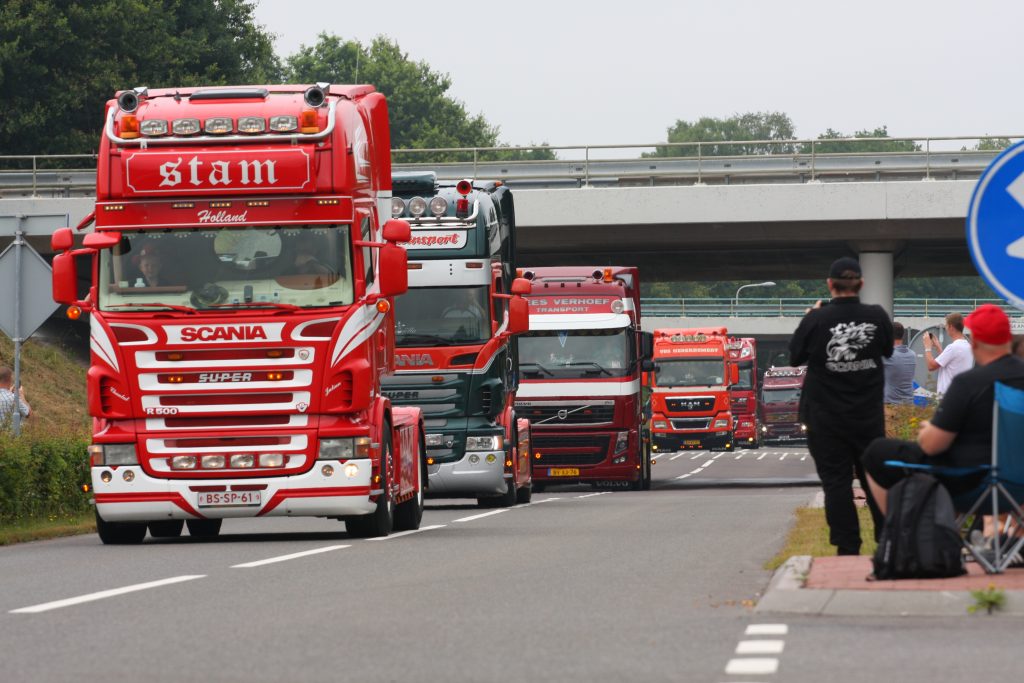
(423, 114)
(827, 146)
(774, 127)
(991, 145)
(60, 61)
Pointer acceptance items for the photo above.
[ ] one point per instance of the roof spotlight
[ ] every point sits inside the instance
(417, 207)
(397, 207)
(438, 206)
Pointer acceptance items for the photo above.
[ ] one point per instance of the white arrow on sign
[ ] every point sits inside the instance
(1016, 190)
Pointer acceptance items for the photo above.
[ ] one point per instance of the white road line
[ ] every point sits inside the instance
(482, 515)
(752, 665)
(407, 533)
(783, 457)
(738, 456)
(719, 455)
(285, 558)
(698, 454)
(684, 476)
(68, 602)
(677, 455)
(760, 647)
(545, 500)
(761, 457)
(767, 630)
(706, 464)
(802, 458)
(591, 495)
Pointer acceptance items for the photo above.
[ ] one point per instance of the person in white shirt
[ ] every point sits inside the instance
(952, 360)
(9, 403)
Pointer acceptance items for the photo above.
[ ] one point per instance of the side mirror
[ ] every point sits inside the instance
(734, 374)
(393, 262)
(647, 365)
(397, 231)
(62, 239)
(521, 286)
(646, 345)
(518, 315)
(65, 278)
(102, 240)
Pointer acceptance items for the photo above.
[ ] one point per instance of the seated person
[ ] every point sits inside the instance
(150, 262)
(305, 260)
(960, 433)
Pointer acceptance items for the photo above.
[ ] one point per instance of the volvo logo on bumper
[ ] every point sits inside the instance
(562, 414)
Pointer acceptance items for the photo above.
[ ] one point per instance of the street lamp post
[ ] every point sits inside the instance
(736, 299)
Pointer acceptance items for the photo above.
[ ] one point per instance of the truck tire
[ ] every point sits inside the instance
(647, 469)
(166, 528)
(204, 528)
(409, 514)
(120, 533)
(524, 495)
(382, 520)
(506, 500)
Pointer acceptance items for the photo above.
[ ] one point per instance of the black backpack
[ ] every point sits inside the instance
(920, 539)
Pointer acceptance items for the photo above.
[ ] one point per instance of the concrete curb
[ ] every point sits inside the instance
(786, 595)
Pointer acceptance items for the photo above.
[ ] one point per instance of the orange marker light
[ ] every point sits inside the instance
(383, 305)
(308, 121)
(74, 312)
(537, 455)
(129, 127)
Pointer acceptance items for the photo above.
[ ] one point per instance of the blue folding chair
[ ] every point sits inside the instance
(1002, 484)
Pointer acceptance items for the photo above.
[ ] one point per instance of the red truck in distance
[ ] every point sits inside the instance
(780, 405)
(743, 394)
(580, 367)
(690, 401)
(241, 291)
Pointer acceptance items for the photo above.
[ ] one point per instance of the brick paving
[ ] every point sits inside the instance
(850, 572)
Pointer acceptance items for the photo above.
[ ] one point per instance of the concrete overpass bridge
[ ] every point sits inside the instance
(685, 217)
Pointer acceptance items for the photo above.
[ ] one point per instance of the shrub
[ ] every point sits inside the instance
(904, 421)
(41, 476)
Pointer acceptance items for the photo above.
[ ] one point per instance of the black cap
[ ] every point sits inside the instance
(844, 268)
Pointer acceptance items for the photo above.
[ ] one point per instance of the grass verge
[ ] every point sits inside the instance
(809, 536)
(42, 529)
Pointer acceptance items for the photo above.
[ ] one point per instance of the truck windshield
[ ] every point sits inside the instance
(442, 316)
(693, 372)
(223, 268)
(781, 395)
(746, 379)
(575, 353)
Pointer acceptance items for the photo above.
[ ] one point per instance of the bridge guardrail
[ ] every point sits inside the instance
(773, 161)
(795, 307)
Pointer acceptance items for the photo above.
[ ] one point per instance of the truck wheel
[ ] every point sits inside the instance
(506, 500)
(409, 514)
(382, 520)
(120, 533)
(647, 469)
(204, 528)
(524, 495)
(166, 528)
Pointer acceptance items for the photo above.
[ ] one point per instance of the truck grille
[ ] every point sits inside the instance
(582, 450)
(690, 404)
(577, 414)
(693, 423)
(780, 417)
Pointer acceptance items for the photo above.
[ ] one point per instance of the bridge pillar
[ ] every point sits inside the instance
(877, 268)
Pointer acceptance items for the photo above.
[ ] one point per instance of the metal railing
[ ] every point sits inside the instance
(668, 163)
(783, 307)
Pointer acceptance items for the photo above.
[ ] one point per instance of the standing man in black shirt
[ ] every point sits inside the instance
(960, 433)
(842, 342)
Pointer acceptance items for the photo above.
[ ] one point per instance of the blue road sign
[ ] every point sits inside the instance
(995, 225)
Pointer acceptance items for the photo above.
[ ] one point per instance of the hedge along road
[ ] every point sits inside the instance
(574, 586)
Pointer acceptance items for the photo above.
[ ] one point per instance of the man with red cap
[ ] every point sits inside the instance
(960, 433)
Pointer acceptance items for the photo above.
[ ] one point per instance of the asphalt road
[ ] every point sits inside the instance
(580, 585)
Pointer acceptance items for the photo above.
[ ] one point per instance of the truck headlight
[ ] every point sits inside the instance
(120, 454)
(803, 428)
(344, 448)
(433, 440)
(485, 443)
(621, 441)
(721, 424)
(660, 424)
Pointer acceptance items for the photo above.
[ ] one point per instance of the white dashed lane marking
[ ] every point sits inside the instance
(760, 647)
(767, 630)
(285, 558)
(68, 602)
(400, 534)
(481, 515)
(758, 666)
(752, 666)
(761, 457)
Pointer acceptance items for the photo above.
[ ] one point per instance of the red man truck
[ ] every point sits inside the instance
(780, 405)
(743, 394)
(580, 367)
(690, 390)
(240, 300)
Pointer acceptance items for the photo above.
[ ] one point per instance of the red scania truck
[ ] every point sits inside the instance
(746, 429)
(580, 367)
(241, 291)
(690, 390)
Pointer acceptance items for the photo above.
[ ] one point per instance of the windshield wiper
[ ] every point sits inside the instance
(596, 366)
(407, 339)
(258, 304)
(524, 366)
(173, 307)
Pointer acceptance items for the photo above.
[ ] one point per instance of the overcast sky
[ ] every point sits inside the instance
(599, 72)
